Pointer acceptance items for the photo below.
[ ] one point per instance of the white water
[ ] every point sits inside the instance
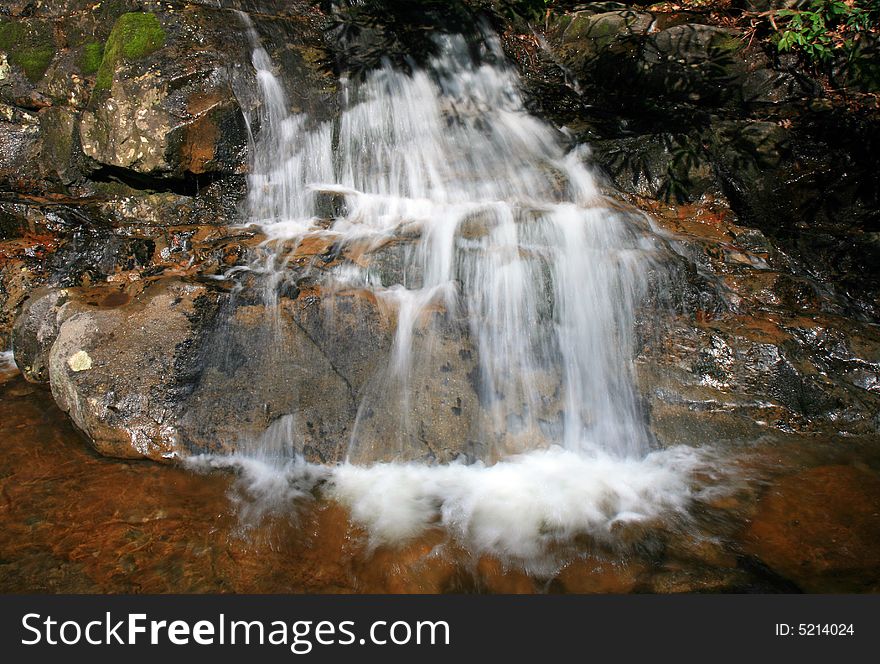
(7, 364)
(521, 510)
(513, 236)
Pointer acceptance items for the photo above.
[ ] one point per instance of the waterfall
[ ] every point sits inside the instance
(505, 239)
(512, 236)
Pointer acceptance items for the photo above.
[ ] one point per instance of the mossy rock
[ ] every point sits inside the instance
(30, 46)
(90, 57)
(135, 35)
(588, 35)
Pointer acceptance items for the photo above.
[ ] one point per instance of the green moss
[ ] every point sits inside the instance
(11, 34)
(134, 35)
(29, 49)
(34, 61)
(90, 57)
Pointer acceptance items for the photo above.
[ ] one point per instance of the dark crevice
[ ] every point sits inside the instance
(189, 184)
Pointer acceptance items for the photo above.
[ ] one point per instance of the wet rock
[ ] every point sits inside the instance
(23, 258)
(19, 143)
(419, 566)
(663, 166)
(768, 86)
(427, 410)
(16, 281)
(57, 135)
(113, 370)
(163, 104)
(584, 36)
(821, 529)
(215, 204)
(29, 46)
(597, 576)
(390, 262)
(36, 329)
(309, 375)
(262, 382)
(750, 150)
(312, 375)
(492, 576)
(734, 381)
(665, 61)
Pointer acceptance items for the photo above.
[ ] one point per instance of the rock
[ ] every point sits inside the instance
(262, 382)
(427, 409)
(23, 261)
(693, 63)
(821, 529)
(113, 370)
(750, 149)
(641, 61)
(163, 104)
(15, 283)
(593, 575)
(493, 576)
(664, 166)
(216, 204)
(56, 156)
(36, 329)
(29, 45)
(216, 374)
(206, 389)
(584, 36)
(19, 143)
(768, 86)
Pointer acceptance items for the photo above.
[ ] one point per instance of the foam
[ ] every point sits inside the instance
(518, 510)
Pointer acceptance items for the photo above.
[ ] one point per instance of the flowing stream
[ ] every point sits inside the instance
(504, 237)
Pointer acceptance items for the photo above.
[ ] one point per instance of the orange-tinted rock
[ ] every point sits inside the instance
(821, 528)
(495, 577)
(592, 575)
(418, 566)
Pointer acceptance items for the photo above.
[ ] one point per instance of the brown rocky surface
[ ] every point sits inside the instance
(821, 529)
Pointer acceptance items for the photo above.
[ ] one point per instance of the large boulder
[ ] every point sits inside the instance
(178, 368)
(693, 63)
(741, 345)
(114, 369)
(163, 103)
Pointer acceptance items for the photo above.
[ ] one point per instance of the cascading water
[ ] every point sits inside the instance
(505, 241)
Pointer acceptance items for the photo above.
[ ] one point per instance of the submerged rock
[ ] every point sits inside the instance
(821, 529)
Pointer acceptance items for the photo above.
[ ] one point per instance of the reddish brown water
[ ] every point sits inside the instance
(70, 521)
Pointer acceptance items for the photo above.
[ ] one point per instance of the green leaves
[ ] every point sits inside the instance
(824, 29)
